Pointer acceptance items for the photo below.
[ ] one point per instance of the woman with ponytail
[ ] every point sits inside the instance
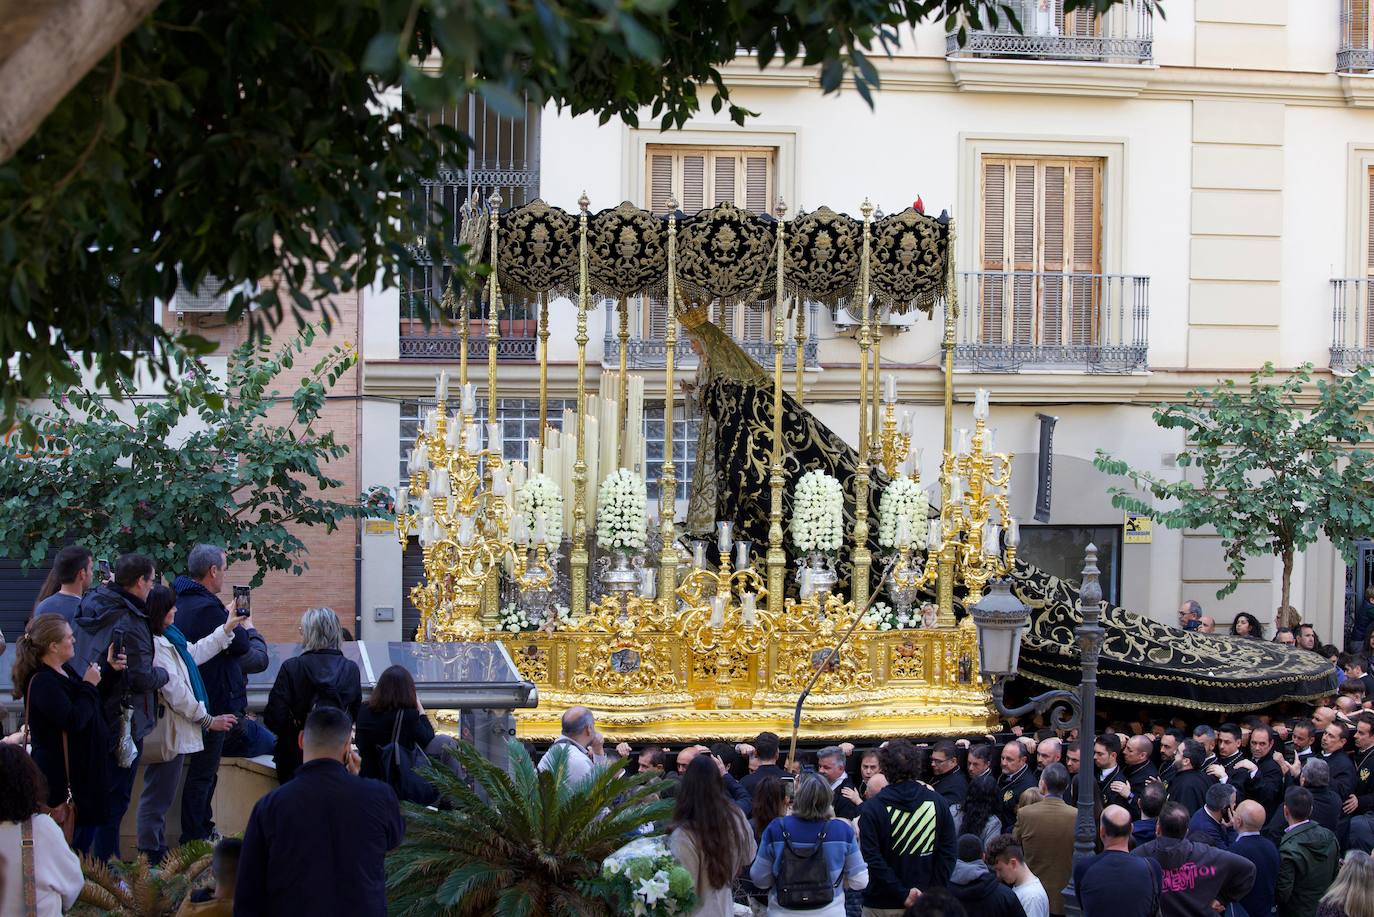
(70, 741)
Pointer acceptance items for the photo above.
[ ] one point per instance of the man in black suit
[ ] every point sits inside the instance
(1016, 779)
(830, 763)
(1189, 786)
(1265, 781)
(948, 781)
(1354, 671)
(1360, 805)
(1261, 851)
(1168, 754)
(1326, 805)
(316, 845)
(1116, 791)
(1334, 739)
(1136, 767)
(765, 748)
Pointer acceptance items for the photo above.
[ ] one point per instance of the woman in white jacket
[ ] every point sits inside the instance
(57, 878)
(181, 715)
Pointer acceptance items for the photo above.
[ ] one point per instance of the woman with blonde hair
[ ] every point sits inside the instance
(319, 676)
(813, 829)
(1352, 894)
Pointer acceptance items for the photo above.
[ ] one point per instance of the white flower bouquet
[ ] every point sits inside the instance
(620, 512)
(882, 617)
(515, 619)
(902, 498)
(645, 880)
(541, 495)
(818, 514)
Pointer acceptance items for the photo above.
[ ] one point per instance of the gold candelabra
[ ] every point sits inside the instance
(967, 539)
(468, 530)
(894, 446)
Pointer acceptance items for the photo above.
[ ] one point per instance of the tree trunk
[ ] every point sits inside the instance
(1286, 586)
(47, 48)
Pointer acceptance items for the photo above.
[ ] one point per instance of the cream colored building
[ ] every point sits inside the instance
(1142, 206)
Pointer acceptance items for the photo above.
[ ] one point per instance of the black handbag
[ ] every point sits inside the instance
(399, 769)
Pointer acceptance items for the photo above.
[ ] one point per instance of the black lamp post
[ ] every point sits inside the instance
(1001, 619)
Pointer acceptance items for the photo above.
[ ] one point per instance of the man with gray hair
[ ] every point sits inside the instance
(1326, 803)
(580, 742)
(830, 763)
(1190, 615)
(199, 613)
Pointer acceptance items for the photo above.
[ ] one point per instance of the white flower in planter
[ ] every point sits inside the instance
(541, 494)
(902, 497)
(621, 505)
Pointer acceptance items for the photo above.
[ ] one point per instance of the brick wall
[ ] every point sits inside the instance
(330, 576)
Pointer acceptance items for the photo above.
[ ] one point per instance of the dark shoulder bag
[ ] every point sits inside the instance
(64, 813)
(804, 878)
(399, 765)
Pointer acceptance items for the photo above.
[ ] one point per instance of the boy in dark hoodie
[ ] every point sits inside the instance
(906, 833)
(977, 887)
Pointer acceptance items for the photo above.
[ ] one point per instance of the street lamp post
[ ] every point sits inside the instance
(1001, 619)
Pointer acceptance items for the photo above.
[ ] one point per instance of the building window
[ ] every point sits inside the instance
(686, 430)
(519, 418)
(1041, 250)
(1058, 550)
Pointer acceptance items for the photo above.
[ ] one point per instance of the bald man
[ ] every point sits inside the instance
(1114, 882)
(1323, 717)
(582, 743)
(1136, 767)
(1050, 751)
(1258, 849)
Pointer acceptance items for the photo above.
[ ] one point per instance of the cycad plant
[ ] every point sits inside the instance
(522, 843)
(136, 889)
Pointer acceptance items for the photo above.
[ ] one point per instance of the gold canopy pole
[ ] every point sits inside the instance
(800, 338)
(622, 406)
(945, 588)
(862, 558)
(578, 554)
(491, 587)
(875, 378)
(667, 482)
(777, 557)
(543, 367)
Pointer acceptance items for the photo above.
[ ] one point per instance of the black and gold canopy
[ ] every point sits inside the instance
(725, 254)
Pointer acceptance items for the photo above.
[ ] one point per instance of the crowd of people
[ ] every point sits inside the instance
(1263, 814)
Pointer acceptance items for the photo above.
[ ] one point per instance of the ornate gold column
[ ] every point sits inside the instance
(799, 335)
(945, 590)
(875, 377)
(577, 557)
(543, 366)
(491, 587)
(622, 408)
(858, 587)
(667, 481)
(777, 557)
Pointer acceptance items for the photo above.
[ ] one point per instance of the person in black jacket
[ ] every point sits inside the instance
(1017, 777)
(394, 696)
(1189, 786)
(901, 865)
(949, 781)
(114, 616)
(1326, 805)
(1195, 875)
(1265, 784)
(317, 845)
(765, 748)
(830, 763)
(199, 612)
(1334, 738)
(62, 706)
(319, 676)
(977, 887)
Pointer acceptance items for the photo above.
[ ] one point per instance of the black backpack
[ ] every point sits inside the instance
(803, 882)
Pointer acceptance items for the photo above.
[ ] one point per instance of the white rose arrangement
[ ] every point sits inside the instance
(902, 497)
(541, 495)
(515, 620)
(882, 617)
(620, 512)
(818, 513)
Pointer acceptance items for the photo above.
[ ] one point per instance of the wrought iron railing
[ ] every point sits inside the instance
(1011, 321)
(1123, 35)
(1356, 51)
(1352, 324)
(651, 352)
(445, 346)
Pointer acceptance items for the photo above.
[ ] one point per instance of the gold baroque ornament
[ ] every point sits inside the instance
(909, 251)
(627, 251)
(537, 251)
(723, 254)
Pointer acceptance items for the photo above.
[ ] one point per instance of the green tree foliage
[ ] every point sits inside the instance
(203, 464)
(1275, 473)
(262, 142)
(530, 844)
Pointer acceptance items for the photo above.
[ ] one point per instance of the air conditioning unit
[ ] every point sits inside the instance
(844, 320)
(205, 298)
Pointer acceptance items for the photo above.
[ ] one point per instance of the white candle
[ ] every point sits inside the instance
(748, 609)
(992, 544)
(723, 536)
(495, 439)
(498, 479)
(519, 530)
(403, 500)
(980, 404)
(989, 439)
(441, 388)
(956, 489)
(1013, 533)
(517, 473)
(717, 611)
(427, 504)
(742, 554)
(906, 423)
(451, 504)
(465, 531)
(540, 528)
(470, 399)
(962, 447)
(699, 555)
(412, 461)
(933, 535)
(648, 583)
(903, 533)
(532, 449)
(807, 588)
(451, 433)
(890, 390)
(474, 439)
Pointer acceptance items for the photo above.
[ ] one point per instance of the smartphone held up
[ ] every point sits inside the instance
(243, 601)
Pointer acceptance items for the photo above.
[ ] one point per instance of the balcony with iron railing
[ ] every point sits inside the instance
(645, 351)
(441, 337)
(1122, 35)
(1356, 51)
(1352, 324)
(1016, 321)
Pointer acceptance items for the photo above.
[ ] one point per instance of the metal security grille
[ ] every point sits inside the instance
(686, 432)
(1123, 35)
